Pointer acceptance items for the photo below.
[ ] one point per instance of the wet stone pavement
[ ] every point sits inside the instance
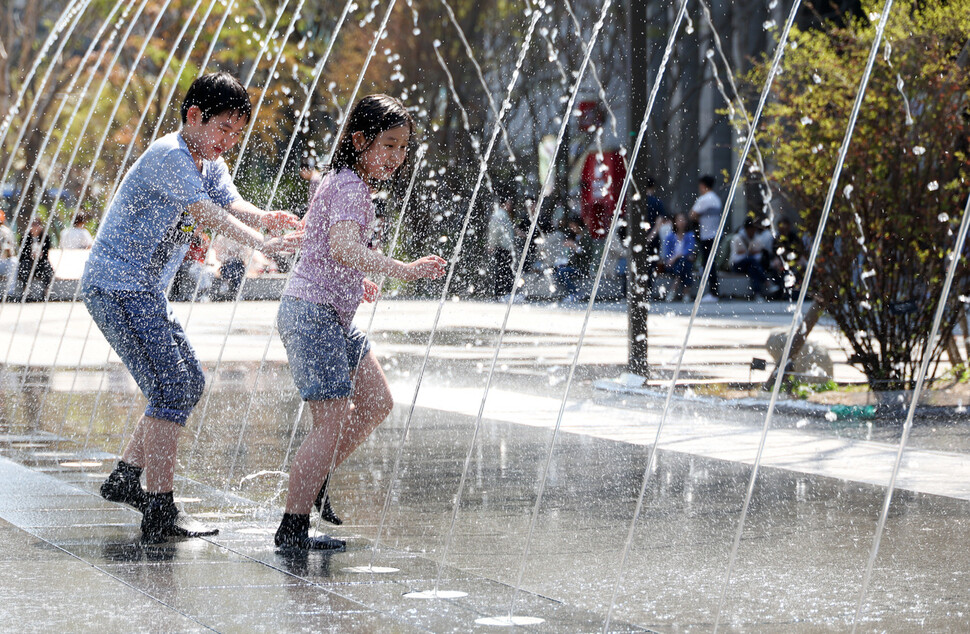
(73, 561)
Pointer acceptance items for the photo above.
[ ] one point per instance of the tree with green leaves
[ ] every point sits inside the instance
(886, 246)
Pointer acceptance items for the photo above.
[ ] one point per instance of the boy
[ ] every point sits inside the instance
(179, 181)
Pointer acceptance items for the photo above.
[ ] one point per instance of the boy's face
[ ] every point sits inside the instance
(387, 153)
(216, 136)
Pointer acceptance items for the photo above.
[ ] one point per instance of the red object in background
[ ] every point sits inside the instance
(590, 114)
(198, 247)
(600, 185)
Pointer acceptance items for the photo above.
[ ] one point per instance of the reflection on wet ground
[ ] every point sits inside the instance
(800, 563)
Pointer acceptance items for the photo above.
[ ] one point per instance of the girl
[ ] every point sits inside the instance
(330, 359)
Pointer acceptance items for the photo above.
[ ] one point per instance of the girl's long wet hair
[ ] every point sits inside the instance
(371, 116)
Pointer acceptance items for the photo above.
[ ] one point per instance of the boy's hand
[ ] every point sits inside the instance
(283, 245)
(276, 221)
(308, 173)
(430, 266)
(372, 291)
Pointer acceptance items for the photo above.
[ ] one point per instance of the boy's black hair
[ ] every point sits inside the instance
(707, 181)
(371, 116)
(216, 93)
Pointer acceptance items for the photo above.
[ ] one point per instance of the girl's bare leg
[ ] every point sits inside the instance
(312, 461)
(371, 403)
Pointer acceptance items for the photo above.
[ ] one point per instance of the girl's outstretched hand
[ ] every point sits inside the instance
(372, 292)
(276, 221)
(430, 266)
(283, 245)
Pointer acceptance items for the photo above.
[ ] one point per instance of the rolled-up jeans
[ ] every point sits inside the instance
(323, 353)
(141, 329)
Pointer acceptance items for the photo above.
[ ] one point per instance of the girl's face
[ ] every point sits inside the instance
(382, 157)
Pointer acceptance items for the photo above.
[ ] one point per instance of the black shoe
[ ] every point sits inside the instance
(293, 533)
(322, 504)
(124, 486)
(163, 519)
(324, 542)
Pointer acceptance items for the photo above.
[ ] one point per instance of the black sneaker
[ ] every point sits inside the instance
(322, 504)
(124, 486)
(324, 542)
(293, 533)
(163, 519)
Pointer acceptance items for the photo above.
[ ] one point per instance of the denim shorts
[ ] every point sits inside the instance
(323, 354)
(142, 330)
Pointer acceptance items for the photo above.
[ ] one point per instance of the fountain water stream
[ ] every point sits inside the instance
(111, 37)
(75, 9)
(317, 74)
(483, 166)
(77, 208)
(360, 77)
(941, 307)
(33, 214)
(59, 25)
(809, 267)
(117, 103)
(512, 618)
(161, 117)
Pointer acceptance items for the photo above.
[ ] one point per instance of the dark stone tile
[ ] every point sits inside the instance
(71, 596)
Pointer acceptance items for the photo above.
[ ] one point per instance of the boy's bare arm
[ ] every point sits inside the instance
(212, 216)
(257, 218)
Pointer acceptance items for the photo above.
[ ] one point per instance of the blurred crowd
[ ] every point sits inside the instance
(210, 270)
(568, 248)
(564, 254)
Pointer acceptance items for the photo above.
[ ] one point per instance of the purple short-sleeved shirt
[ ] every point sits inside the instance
(318, 277)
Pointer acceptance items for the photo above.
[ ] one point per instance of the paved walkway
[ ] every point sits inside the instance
(72, 562)
(806, 540)
(722, 343)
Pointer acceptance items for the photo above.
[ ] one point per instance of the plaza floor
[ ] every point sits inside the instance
(74, 562)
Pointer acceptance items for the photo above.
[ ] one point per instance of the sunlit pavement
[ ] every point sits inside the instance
(72, 561)
(723, 341)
